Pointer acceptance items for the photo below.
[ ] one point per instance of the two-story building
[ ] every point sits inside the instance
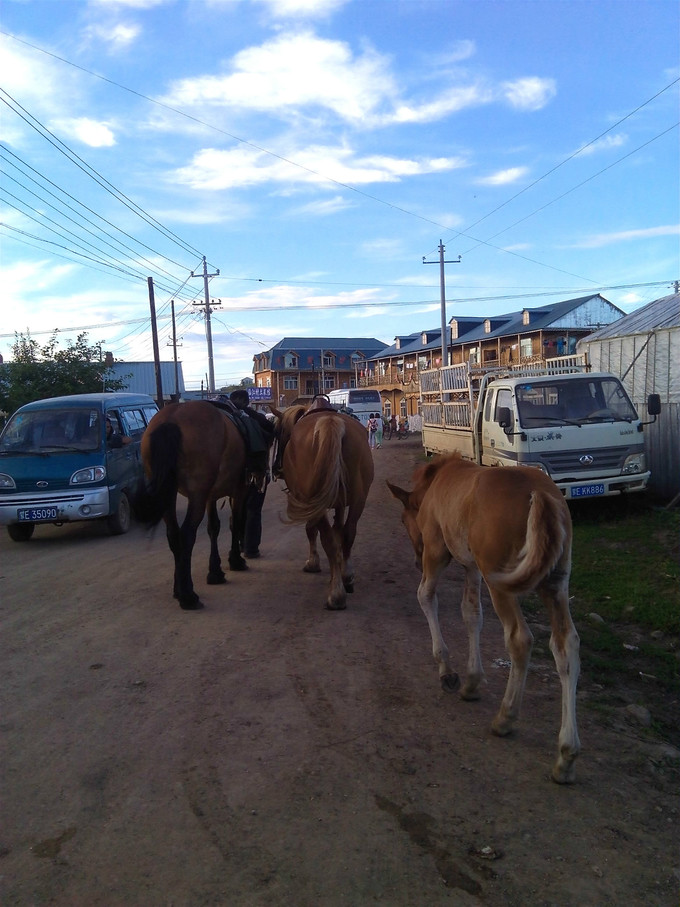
(297, 368)
(512, 339)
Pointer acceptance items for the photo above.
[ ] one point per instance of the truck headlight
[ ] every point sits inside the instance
(633, 464)
(6, 481)
(90, 474)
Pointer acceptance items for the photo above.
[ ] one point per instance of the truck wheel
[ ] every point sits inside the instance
(119, 522)
(20, 532)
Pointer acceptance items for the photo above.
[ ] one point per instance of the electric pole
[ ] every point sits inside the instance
(208, 329)
(154, 338)
(442, 286)
(174, 344)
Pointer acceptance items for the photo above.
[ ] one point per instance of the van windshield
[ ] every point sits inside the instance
(51, 431)
(579, 401)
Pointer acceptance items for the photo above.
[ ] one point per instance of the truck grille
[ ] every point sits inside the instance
(568, 462)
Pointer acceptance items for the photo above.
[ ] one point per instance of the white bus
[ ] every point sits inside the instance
(361, 401)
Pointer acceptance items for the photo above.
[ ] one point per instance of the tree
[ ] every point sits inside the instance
(37, 372)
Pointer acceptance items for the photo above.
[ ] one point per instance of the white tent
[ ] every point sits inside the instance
(643, 349)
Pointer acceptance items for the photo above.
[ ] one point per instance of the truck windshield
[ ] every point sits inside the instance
(573, 401)
(52, 430)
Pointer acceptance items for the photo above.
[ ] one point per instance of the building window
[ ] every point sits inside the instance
(290, 382)
(328, 382)
(291, 360)
(311, 388)
(327, 360)
(525, 348)
(403, 410)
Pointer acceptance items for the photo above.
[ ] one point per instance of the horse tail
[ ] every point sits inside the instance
(329, 472)
(161, 466)
(546, 542)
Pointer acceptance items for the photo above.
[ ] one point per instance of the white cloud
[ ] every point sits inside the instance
(530, 93)
(503, 177)
(85, 130)
(118, 35)
(215, 169)
(281, 9)
(322, 208)
(607, 239)
(295, 73)
(605, 144)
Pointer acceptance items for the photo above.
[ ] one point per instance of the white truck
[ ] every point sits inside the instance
(579, 427)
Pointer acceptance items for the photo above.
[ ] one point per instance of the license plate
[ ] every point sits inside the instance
(586, 491)
(37, 514)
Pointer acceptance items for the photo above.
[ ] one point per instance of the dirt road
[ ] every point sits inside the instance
(265, 751)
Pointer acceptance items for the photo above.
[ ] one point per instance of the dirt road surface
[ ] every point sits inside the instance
(265, 751)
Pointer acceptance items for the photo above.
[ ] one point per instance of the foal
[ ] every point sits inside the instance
(512, 528)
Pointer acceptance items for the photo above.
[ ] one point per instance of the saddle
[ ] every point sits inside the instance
(320, 403)
(257, 447)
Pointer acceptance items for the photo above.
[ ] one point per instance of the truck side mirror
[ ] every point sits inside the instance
(654, 404)
(504, 417)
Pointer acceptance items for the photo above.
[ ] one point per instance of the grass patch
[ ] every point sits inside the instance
(625, 564)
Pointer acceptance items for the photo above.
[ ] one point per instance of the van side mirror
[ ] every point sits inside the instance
(654, 404)
(504, 417)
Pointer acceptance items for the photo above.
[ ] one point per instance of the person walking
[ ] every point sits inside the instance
(372, 427)
(260, 434)
(379, 430)
(393, 426)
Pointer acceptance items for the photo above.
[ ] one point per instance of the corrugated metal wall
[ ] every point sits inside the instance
(649, 364)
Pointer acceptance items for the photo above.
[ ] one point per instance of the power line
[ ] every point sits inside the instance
(362, 305)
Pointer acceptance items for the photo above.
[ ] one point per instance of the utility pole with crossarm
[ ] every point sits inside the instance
(208, 329)
(442, 285)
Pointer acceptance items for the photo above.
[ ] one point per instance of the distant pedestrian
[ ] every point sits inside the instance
(379, 430)
(372, 427)
(393, 426)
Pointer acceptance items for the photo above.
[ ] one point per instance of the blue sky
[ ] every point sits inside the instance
(315, 151)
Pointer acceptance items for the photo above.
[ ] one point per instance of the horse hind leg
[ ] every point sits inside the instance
(332, 545)
(347, 534)
(216, 575)
(184, 587)
(564, 644)
(518, 642)
(312, 564)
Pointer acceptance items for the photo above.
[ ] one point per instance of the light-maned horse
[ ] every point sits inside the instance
(511, 527)
(194, 449)
(327, 465)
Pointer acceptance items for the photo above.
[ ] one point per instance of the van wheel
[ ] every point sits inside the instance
(20, 532)
(119, 522)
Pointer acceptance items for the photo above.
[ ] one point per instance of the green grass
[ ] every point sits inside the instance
(625, 564)
(625, 569)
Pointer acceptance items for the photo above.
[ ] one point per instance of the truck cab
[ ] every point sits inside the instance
(578, 427)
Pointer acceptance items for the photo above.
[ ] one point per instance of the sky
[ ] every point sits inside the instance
(316, 153)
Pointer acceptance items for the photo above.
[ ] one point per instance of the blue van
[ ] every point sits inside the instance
(72, 458)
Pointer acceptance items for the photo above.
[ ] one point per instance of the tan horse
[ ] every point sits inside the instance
(195, 449)
(327, 465)
(513, 528)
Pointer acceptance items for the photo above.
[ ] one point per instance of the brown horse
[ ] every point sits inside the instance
(197, 450)
(513, 528)
(327, 465)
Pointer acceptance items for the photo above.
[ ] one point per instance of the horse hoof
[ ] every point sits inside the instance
(216, 579)
(191, 604)
(450, 682)
(237, 564)
(336, 606)
(349, 587)
(310, 568)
